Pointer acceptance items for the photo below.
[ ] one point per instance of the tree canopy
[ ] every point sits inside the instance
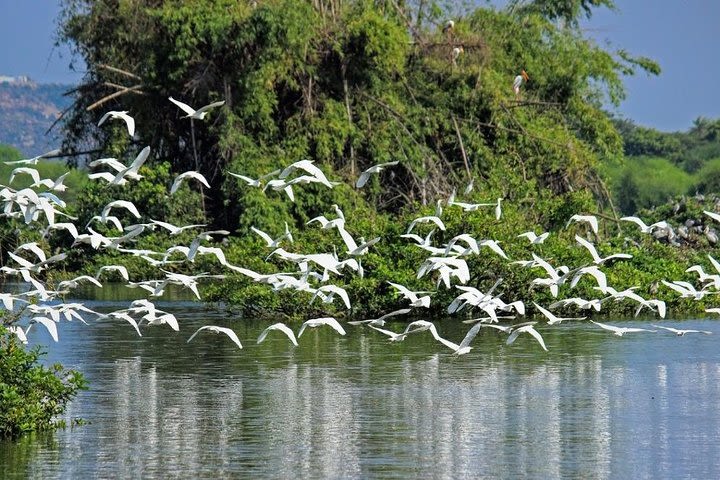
(350, 85)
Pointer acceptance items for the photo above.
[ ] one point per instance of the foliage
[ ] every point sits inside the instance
(32, 395)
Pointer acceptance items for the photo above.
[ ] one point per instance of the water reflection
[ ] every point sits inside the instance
(595, 406)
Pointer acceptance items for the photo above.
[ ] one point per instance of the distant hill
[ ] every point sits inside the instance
(27, 111)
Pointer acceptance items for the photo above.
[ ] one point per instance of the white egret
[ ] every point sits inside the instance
(589, 219)
(50, 325)
(365, 176)
(394, 337)
(278, 326)
(597, 259)
(184, 176)
(316, 322)
(380, 321)
(129, 121)
(526, 329)
(535, 239)
(681, 332)
(644, 228)
(198, 114)
(620, 331)
(552, 318)
(215, 329)
(427, 219)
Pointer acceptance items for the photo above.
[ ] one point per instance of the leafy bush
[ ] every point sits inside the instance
(32, 395)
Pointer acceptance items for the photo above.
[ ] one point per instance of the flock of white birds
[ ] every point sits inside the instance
(39, 207)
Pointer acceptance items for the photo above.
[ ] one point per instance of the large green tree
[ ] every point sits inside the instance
(349, 84)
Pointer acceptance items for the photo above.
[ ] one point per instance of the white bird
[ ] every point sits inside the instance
(581, 303)
(50, 325)
(255, 182)
(75, 282)
(596, 258)
(316, 322)
(686, 289)
(184, 176)
(380, 321)
(214, 329)
(448, 27)
(365, 176)
(34, 160)
(552, 319)
(115, 268)
(644, 228)
(274, 242)
(415, 301)
(329, 297)
(712, 215)
(278, 326)
(518, 81)
(620, 331)
(589, 219)
(174, 230)
(526, 329)
(427, 219)
(394, 337)
(680, 332)
(129, 206)
(18, 332)
(129, 121)
(198, 114)
(535, 239)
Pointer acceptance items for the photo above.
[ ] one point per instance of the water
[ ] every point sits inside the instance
(594, 406)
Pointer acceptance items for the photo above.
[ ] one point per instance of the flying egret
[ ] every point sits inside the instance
(589, 219)
(198, 114)
(274, 242)
(215, 329)
(278, 326)
(184, 176)
(552, 319)
(316, 322)
(394, 337)
(365, 176)
(597, 259)
(680, 332)
(620, 331)
(129, 121)
(380, 321)
(526, 329)
(535, 239)
(644, 228)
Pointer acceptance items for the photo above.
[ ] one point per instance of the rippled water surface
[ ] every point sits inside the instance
(594, 406)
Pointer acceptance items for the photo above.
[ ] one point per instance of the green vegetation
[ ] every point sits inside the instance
(32, 395)
(659, 166)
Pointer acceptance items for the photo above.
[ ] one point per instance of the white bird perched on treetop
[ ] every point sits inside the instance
(316, 322)
(278, 326)
(519, 80)
(448, 27)
(129, 121)
(183, 176)
(198, 114)
(365, 176)
(214, 329)
(456, 54)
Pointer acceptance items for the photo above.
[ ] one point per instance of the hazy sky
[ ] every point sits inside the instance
(681, 35)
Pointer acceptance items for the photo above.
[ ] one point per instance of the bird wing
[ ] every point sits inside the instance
(184, 107)
(208, 107)
(49, 325)
(590, 247)
(362, 179)
(470, 335)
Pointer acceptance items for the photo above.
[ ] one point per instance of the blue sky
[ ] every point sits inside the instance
(681, 35)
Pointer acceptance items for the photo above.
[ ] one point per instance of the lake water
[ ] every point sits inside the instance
(594, 406)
